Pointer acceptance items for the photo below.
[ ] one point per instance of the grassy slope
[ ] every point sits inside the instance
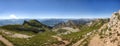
(40, 39)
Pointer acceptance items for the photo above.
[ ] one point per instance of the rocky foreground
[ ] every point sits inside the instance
(110, 34)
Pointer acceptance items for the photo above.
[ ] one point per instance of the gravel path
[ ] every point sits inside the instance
(5, 41)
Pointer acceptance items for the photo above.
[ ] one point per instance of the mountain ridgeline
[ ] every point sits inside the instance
(73, 23)
(31, 25)
(36, 26)
(109, 33)
(49, 22)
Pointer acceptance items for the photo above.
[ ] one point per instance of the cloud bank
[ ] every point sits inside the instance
(13, 16)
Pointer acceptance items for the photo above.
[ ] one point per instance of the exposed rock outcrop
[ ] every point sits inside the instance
(110, 35)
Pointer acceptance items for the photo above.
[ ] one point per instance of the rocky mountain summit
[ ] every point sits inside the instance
(109, 35)
(113, 31)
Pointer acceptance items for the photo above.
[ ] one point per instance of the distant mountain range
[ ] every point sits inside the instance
(49, 22)
(73, 23)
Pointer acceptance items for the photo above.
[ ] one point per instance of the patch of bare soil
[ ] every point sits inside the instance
(16, 35)
(5, 41)
(96, 41)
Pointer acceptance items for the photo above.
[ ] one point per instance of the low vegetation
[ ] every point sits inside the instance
(62, 31)
(40, 39)
(1, 44)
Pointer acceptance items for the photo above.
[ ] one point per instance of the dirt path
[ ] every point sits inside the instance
(96, 38)
(5, 41)
(60, 39)
(96, 41)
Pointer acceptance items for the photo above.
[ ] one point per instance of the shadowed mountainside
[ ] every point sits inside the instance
(31, 25)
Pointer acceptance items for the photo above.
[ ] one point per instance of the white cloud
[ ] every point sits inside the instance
(13, 16)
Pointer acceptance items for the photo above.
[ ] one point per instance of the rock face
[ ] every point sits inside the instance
(110, 33)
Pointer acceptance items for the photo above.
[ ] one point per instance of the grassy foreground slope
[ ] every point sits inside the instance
(40, 39)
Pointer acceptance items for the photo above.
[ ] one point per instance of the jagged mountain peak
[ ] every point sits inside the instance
(115, 18)
(113, 30)
(115, 14)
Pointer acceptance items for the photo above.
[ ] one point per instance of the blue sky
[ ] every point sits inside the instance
(42, 9)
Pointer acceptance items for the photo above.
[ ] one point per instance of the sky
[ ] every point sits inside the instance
(44, 9)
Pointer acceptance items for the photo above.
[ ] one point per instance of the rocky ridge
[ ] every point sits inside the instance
(110, 34)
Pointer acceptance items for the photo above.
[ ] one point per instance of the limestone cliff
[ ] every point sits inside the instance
(110, 34)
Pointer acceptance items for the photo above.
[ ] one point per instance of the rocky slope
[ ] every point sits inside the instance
(110, 34)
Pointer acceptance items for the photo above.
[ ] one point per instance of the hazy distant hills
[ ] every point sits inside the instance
(49, 22)
(11, 21)
(52, 22)
(73, 23)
